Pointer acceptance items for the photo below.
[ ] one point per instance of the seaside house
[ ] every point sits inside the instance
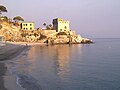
(61, 25)
(27, 26)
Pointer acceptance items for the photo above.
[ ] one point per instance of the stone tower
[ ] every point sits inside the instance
(61, 25)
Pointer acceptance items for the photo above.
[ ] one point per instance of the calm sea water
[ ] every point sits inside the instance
(76, 67)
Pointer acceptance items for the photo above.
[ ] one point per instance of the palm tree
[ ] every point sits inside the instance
(44, 24)
(50, 26)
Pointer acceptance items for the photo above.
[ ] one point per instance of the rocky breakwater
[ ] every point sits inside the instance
(86, 41)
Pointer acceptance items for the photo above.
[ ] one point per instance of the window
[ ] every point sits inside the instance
(30, 28)
(26, 24)
(30, 24)
(65, 27)
(60, 29)
(26, 28)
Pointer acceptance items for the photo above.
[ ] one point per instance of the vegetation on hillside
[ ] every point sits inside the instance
(18, 18)
(2, 9)
(4, 18)
(49, 27)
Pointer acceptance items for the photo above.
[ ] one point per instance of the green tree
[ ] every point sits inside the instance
(2, 9)
(5, 18)
(18, 18)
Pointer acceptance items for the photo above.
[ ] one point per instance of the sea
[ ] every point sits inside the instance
(93, 66)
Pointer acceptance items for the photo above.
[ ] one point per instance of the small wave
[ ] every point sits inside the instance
(28, 82)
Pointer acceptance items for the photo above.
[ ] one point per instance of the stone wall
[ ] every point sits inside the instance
(47, 32)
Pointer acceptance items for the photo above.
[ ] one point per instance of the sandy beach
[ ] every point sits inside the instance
(7, 52)
(10, 50)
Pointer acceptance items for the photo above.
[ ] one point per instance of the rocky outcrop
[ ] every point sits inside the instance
(86, 41)
(30, 35)
(66, 38)
(10, 31)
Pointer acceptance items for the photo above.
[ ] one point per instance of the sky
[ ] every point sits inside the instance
(89, 18)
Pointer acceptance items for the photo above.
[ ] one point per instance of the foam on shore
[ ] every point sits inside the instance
(7, 52)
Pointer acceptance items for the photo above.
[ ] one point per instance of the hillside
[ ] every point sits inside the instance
(10, 31)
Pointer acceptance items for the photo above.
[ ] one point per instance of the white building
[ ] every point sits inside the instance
(61, 25)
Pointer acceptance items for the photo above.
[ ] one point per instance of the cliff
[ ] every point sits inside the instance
(10, 31)
(68, 37)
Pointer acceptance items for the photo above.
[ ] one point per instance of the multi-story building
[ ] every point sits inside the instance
(27, 25)
(61, 25)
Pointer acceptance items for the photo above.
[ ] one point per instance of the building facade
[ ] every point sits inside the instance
(27, 26)
(61, 25)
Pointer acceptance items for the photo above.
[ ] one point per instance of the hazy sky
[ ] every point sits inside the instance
(90, 18)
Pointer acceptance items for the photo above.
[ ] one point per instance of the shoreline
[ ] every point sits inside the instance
(7, 52)
(27, 43)
(3, 70)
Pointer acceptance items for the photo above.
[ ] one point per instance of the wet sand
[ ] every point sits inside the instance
(2, 72)
(10, 50)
